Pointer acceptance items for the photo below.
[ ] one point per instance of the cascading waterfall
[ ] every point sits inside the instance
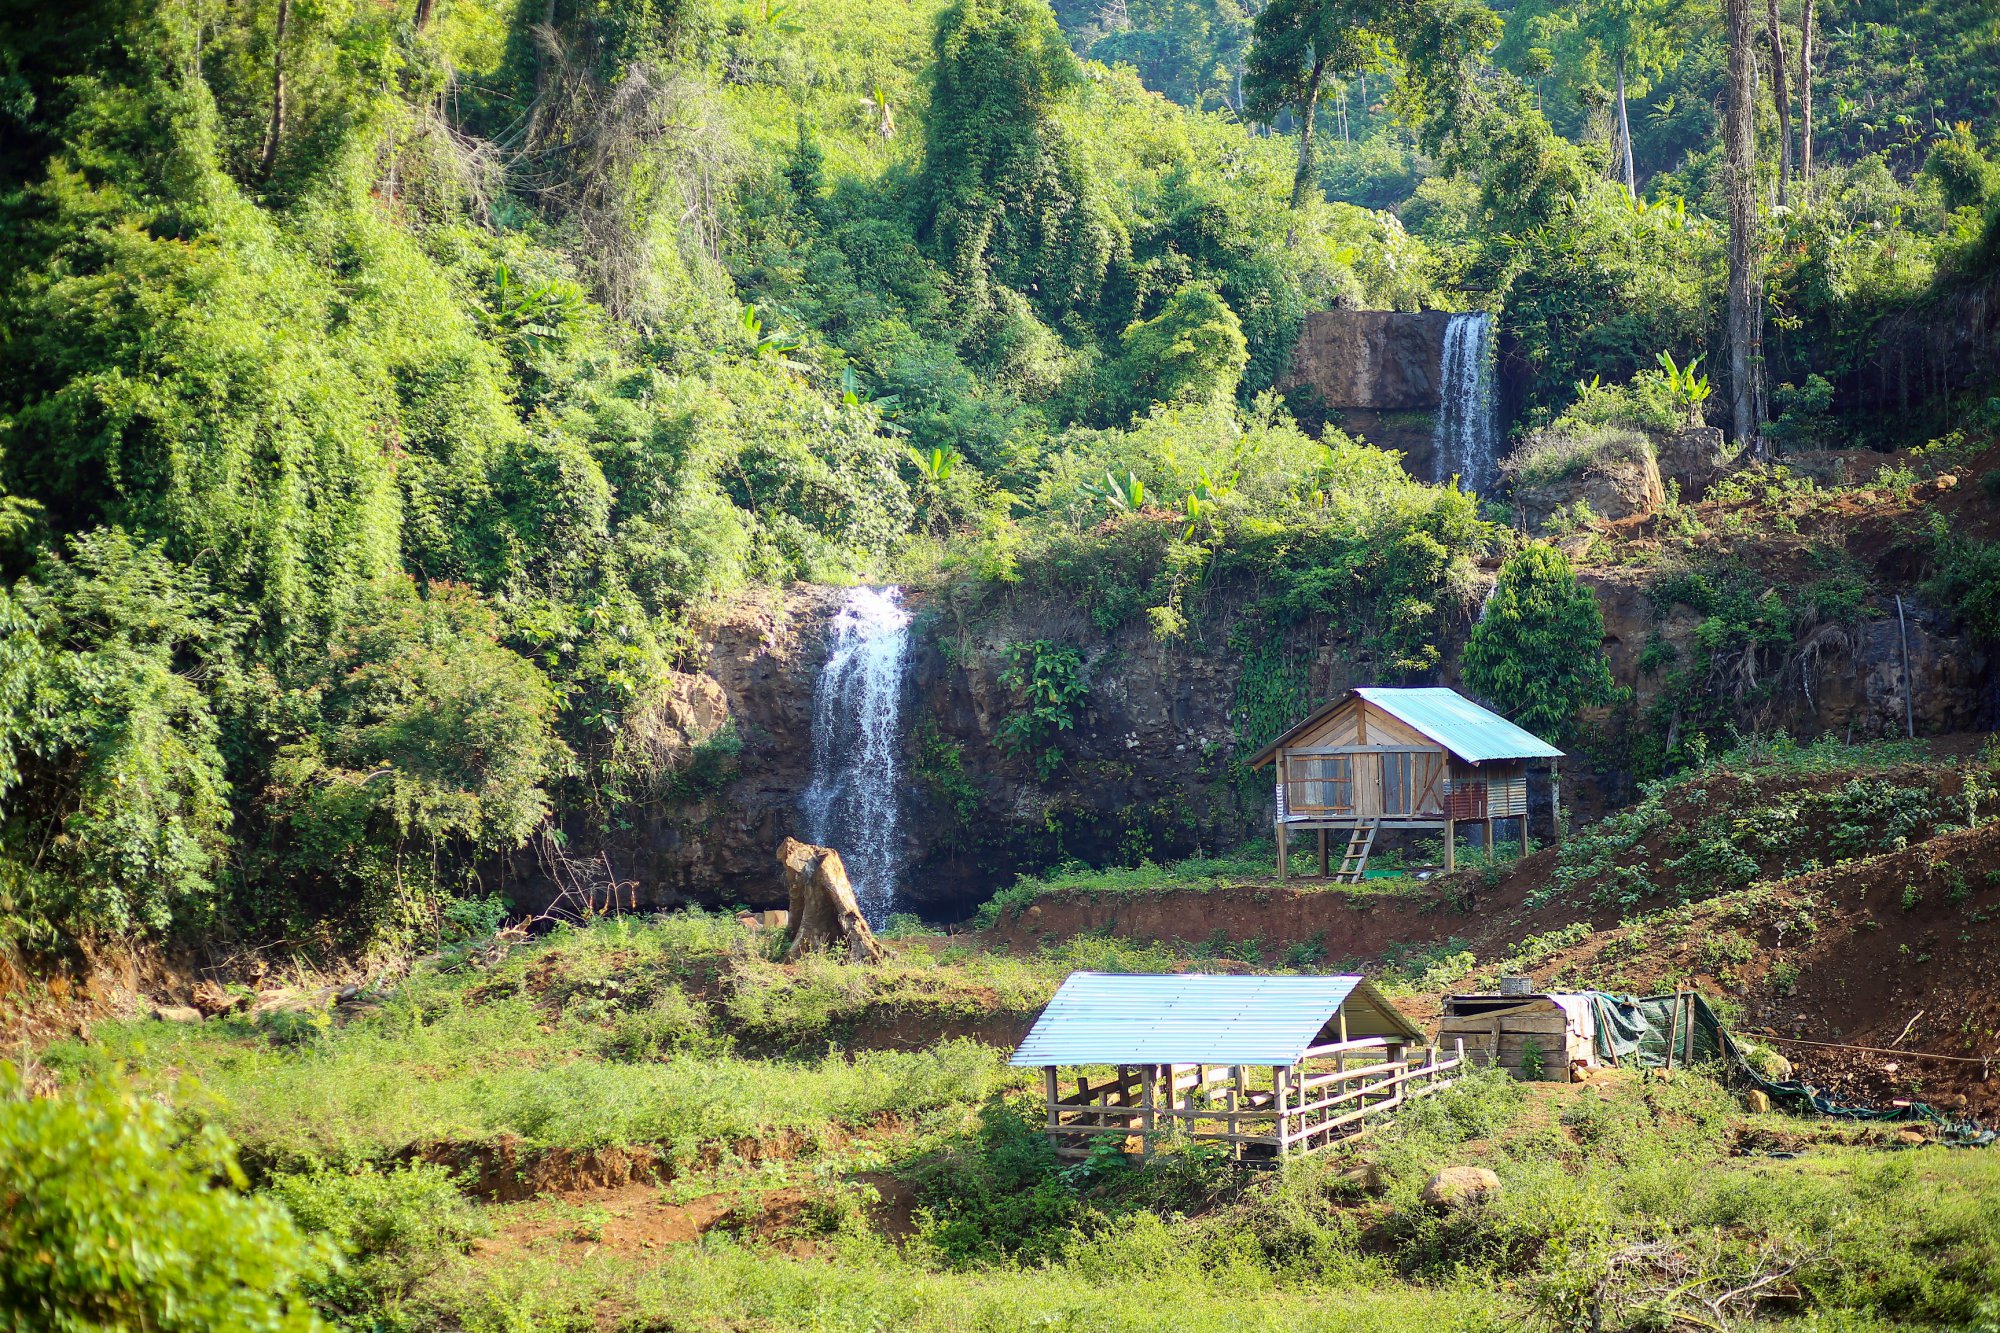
(1464, 438)
(851, 804)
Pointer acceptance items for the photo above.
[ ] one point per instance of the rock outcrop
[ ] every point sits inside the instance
(1621, 481)
(1146, 769)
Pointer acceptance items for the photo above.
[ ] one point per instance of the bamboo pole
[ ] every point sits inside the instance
(1674, 1032)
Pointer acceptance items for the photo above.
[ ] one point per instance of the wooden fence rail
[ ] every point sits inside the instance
(1260, 1113)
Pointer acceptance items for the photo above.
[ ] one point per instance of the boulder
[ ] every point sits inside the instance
(1757, 1102)
(1696, 457)
(177, 1013)
(1457, 1187)
(1610, 472)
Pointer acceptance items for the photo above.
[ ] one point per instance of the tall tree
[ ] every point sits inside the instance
(1298, 43)
(1746, 352)
(1806, 35)
(275, 131)
(1631, 34)
(1782, 99)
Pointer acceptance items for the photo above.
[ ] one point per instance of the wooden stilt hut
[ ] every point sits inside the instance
(1379, 758)
(1265, 1066)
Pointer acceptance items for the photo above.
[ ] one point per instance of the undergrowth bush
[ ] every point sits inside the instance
(120, 1215)
(395, 1229)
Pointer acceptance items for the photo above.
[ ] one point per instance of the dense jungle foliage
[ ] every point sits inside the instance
(384, 387)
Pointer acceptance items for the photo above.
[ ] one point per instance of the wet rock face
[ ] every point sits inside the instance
(1146, 769)
(1381, 360)
(1840, 680)
(1376, 371)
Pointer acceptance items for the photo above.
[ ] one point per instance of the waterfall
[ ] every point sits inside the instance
(1463, 440)
(851, 804)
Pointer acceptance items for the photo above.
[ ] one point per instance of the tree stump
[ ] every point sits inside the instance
(824, 914)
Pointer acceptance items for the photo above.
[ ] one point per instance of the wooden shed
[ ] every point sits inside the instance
(1379, 758)
(1265, 1066)
(1531, 1036)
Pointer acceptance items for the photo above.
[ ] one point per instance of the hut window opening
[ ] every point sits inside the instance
(1330, 782)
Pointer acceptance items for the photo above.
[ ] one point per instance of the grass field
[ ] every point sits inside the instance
(703, 1139)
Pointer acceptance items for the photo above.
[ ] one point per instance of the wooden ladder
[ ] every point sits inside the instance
(1354, 862)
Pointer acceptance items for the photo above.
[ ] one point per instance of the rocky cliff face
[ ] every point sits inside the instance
(1146, 771)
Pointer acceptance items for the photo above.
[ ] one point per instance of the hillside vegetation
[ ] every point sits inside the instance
(387, 392)
(630, 1120)
(395, 395)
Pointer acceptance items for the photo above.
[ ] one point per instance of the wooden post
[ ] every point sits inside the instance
(1054, 1092)
(1278, 1091)
(1323, 868)
(1450, 847)
(1674, 1031)
(1146, 1121)
(1237, 1097)
(1486, 838)
(1281, 853)
(1688, 1054)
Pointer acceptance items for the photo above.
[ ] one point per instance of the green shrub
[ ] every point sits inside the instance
(119, 1217)
(395, 1228)
(1536, 652)
(1048, 683)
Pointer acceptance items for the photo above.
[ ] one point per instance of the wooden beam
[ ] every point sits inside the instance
(1324, 869)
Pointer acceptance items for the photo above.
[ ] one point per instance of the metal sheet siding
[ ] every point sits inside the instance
(1101, 1018)
(1472, 733)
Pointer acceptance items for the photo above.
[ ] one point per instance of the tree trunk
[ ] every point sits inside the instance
(276, 130)
(824, 914)
(1625, 132)
(1305, 171)
(423, 18)
(1784, 102)
(1805, 98)
(1746, 360)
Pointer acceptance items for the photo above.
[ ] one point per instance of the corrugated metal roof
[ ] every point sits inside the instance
(1472, 733)
(1103, 1018)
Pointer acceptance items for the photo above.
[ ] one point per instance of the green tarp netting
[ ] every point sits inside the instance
(1634, 1030)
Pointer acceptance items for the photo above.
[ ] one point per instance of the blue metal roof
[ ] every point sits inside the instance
(1472, 733)
(1103, 1018)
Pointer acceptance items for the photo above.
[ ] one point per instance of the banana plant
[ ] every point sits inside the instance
(535, 317)
(1202, 498)
(1128, 493)
(877, 117)
(774, 345)
(885, 405)
(934, 465)
(1690, 391)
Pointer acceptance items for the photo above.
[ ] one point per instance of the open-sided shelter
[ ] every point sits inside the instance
(1379, 758)
(1266, 1066)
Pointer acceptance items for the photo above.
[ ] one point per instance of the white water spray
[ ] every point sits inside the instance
(1464, 439)
(851, 804)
